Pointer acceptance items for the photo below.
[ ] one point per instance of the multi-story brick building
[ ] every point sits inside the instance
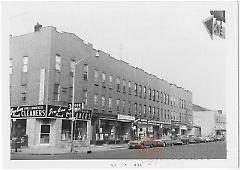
(126, 101)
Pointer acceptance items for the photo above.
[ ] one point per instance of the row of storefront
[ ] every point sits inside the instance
(51, 126)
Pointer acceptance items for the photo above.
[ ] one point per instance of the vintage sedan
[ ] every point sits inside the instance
(142, 143)
(166, 141)
(192, 139)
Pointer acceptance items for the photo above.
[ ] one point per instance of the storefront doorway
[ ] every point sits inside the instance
(45, 134)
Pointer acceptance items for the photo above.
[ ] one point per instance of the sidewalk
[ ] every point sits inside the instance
(50, 150)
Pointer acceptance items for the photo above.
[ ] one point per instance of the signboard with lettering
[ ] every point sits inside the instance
(37, 111)
(66, 113)
(77, 106)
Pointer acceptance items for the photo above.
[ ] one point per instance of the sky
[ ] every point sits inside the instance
(167, 39)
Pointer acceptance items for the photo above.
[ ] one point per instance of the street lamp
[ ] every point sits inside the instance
(73, 90)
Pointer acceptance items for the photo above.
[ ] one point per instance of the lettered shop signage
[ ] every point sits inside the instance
(38, 111)
(66, 113)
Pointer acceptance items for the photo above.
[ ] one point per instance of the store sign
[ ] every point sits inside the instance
(38, 111)
(65, 113)
(77, 106)
(125, 117)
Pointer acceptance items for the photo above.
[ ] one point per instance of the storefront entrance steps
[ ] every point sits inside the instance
(51, 150)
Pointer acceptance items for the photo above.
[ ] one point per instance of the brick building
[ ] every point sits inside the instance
(126, 101)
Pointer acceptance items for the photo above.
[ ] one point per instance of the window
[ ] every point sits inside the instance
(85, 95)
(153, 112)
(11, 65)
(124, 105)
(164, 98)
(150, 111)
(25, 64)
(153, 95)
(103, 102)
(70, 93)
(85, 72)
(58, 62)
(95, 101)
(129, 87)
(150, 93)
(129, 107)
(140, 91)
(161, 113)
(96, 76)
(168, 99)
(158, 115)
(110, 104)
(24, 93)
(118, 105)
(165, 114)
(135, 89)
(145, 110)
(56, 92)
(72, 65)
(118, 84)
(110, 81)
(140, 109)
(103, 79)
(135, 108)
(161, 97)
(157, 96)
(145, 92)
(124, 86)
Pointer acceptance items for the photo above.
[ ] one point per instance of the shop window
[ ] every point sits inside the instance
(80, 131)
(56, 92)
(85, 72)
(25, 64)
(44, 134)
(58, 62)
(118, 84)
(66, 130)
(110, 81)
(18, 128)
(110, 104)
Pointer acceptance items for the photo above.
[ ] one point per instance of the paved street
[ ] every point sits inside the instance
(216, 150)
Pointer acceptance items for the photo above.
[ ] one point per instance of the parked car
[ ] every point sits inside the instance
(192, 139)
(142, 143)
(208, 139)
(181, 139)
(166, 141)
(203, 139)
(219, 138)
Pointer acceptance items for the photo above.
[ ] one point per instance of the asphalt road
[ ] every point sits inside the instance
(214, 150)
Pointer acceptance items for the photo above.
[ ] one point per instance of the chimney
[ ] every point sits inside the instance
(37, 27)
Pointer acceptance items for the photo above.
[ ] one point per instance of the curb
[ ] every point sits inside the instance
(64, 153)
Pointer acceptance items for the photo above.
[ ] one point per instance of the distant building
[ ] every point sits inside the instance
(211, 122)
(126, 101)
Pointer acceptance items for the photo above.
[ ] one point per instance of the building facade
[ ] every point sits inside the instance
(126, 102)
(210, 122)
